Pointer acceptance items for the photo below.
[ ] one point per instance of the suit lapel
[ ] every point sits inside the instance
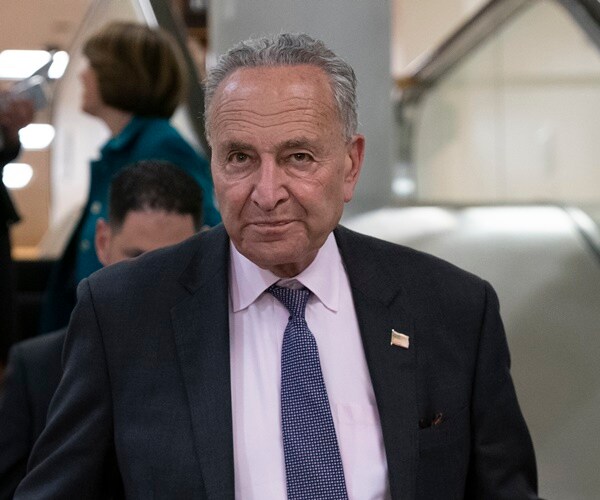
(392, 368)
(201, 328)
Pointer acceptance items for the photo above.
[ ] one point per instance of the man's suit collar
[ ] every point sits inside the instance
(366, 270)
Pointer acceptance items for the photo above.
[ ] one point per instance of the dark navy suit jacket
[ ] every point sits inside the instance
(32, 375)
(146, 381)
(8, 216)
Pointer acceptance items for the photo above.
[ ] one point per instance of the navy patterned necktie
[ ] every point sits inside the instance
(313, 465)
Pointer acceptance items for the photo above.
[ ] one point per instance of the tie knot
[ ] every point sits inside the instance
(293, 299)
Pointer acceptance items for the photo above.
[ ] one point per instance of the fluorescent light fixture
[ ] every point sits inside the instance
(18, 64)
(36, 136)
(17, 175)
(60, 60)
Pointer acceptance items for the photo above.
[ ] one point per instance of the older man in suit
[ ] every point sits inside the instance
(283, 355)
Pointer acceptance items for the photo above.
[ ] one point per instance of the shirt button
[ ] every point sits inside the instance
(85, 245)
(96, 207)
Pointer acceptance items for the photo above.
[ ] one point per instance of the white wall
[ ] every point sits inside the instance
(418, 26)
(519, 120)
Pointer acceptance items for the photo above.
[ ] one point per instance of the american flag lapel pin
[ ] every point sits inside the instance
(400, 339)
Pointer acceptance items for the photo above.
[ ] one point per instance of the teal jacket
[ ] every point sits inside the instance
(143, 138)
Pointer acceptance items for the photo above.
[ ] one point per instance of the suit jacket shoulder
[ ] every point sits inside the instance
(33, 373)
(383, 268)
(39, 361)
(166, 272)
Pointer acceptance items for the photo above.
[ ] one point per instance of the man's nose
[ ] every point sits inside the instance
(269, 190)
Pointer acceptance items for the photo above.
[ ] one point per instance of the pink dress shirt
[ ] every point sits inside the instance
(257, 322)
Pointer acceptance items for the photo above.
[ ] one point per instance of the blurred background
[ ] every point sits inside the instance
(482, 121)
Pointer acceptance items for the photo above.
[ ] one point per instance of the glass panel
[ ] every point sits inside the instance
(517, 121)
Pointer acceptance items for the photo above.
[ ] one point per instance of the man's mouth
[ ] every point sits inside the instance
(272, 223)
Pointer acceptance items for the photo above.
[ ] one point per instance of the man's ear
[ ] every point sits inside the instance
(354, 161)
(102, 241)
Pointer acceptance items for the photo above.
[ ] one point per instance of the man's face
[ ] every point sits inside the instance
(281, 166)
(142, 231)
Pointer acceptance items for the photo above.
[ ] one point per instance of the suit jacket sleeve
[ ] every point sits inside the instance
(16, 426)
(503, 463)
(75, 454)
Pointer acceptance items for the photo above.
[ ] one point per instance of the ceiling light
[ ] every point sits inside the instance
(36, 136)
(18, 64)
(403, 186)
(17, 175)
(60, 60)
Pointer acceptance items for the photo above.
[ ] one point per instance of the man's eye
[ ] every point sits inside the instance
(301, 157)
(238, 157)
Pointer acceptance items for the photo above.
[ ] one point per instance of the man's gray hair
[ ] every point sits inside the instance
(289, 49)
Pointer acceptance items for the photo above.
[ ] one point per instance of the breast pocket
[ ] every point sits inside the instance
(451, 428)
(444, 451)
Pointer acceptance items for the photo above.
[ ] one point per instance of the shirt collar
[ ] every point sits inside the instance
(321, 277)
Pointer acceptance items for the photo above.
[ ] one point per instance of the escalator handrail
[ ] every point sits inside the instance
(487, 21)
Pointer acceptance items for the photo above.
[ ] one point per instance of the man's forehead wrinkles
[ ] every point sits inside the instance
(228, 100)
(232, 120)
(300, 135)
(273, 111)
(299, 139)
(243, 99)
